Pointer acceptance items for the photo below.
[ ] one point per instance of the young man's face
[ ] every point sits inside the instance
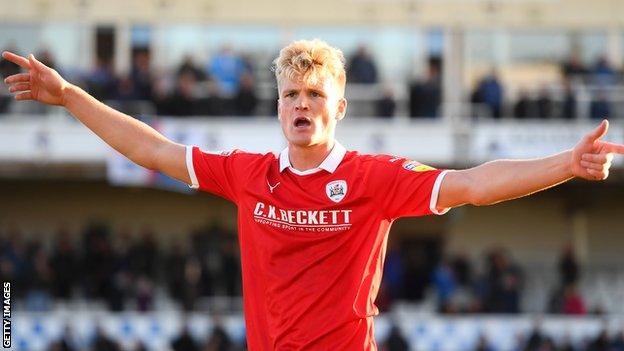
(308, 112)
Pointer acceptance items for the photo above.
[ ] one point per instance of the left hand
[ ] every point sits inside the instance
(591, 157)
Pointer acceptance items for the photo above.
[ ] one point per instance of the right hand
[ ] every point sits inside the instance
(40, 83)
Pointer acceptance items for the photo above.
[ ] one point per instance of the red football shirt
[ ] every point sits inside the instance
(313, 243)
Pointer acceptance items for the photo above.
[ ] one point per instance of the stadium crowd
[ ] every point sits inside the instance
(127, 271)
(121, 270)
(228, 85)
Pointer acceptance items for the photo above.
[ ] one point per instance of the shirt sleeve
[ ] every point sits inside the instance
(410, 188)
(213, 172)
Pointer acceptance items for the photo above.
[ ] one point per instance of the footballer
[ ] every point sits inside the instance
(313, 220)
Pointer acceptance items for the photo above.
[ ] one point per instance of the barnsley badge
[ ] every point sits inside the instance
(336, 190)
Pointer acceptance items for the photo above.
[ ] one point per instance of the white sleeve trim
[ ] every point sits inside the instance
(189, 166)
(433, 204)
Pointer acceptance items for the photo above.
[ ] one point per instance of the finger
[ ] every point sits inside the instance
(613, 147)
(16, 59)
(19, 87)
(600, 131)
(36, 63)
(20, 77)
(598, 175)
(598, 158)
(24, 96)
(594, 166)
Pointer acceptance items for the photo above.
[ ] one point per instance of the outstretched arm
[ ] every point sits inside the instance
(502, 180)
(136, 140)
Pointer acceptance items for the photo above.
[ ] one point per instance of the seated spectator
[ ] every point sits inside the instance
(600, 107)
(102, 342)
(219, 340)
(425, 96)
(385, 106)
(568, 108)
(446, 285)
(573, 302)
(182, 102)
(490, 92)
(189, 66)
(141, 75)
(395, 341)
(361, 68)
(574, 68)
(603, 74)
(503, 284)
(102, 82)
(245, 101)
(227, 68)
(545, 104)
(524, 106)
(184, 342)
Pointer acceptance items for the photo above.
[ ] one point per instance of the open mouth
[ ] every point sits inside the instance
(302, 122)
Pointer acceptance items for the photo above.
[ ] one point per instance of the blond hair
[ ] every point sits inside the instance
(310, 60)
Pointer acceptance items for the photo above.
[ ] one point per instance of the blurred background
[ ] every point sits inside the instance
(104, 255)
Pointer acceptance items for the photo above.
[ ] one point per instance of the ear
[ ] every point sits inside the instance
(342, 109)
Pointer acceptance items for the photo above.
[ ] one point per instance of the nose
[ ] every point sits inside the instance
(302, 103)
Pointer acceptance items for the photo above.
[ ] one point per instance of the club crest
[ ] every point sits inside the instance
(336, 190)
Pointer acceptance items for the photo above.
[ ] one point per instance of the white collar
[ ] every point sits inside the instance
(330, 163)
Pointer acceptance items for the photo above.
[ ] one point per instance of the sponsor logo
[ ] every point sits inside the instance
(302, 220)
(416, 167)
(336, 190)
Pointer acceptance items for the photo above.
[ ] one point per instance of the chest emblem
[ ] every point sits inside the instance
(336, 190)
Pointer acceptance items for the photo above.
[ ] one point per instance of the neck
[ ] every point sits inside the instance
(303, 158)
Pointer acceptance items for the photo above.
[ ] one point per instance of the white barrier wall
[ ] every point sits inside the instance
(58, 138)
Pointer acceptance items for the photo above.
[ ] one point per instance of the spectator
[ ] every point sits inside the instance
(503, 284)
(600, 107)
(482, 344)
(574, 68)
(524, 106)
(426, 96)
(227, 68)
(102, 342)
(141, 75)
(490, 92)
(603, 74)
(64, 263)
(219, 340)
(573, 302)
(446, 285)
(102, 82)
(188, 66)
(184, 342)
(395, 341)
(361, 68)
(245, 101)
(568, 108)
(182, 102)
(38, 298)
(462, 268)
(385, 106)
(545, 104)
(568, 266)
(600, 343)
